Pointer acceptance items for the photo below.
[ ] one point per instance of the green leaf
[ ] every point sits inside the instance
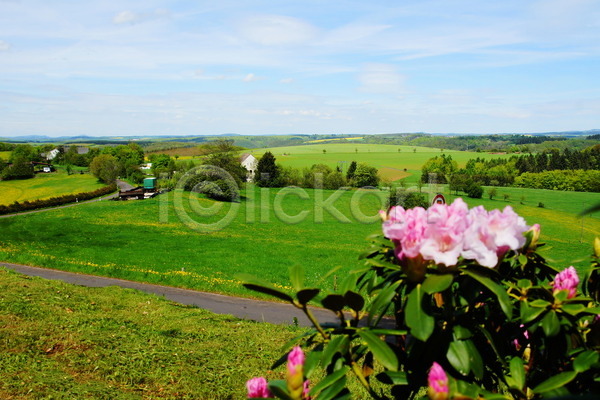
(437, 283)
(573, 309)
(475, 360)
(354, 300)
(279, 388)
(297, 277)
(458, 356)
(381, 303)
(585, 360)
(498, 290)
(380, 349)
(524, 283)
(517, 371)
(392, 378)
(335, 391)
(389, 332)
(551, 324)
(420, 323)
(529, 313)
(555, 382)
(267, 289)
(460, 332)
(329, 380)
(334, 302)
(306, 295)
(337, 344)
(539, 303)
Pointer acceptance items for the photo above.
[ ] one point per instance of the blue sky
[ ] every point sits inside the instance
(107, 68)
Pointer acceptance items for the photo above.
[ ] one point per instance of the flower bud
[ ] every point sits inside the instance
(568, 280)
(438, 383)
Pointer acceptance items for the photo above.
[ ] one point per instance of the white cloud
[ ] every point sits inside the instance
(275, 30)
(381, 78)
(251, 78)
(4, 45)
(131, 18)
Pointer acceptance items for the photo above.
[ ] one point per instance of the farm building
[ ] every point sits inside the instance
(249, 162)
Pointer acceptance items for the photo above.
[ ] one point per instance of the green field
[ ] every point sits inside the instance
(61, 341)
(147, 240)
(44, 186)
(390, 162)
(5, 155)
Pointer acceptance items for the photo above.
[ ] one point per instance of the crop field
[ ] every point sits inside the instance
(44, 186)
(155, 240)
(393, 162)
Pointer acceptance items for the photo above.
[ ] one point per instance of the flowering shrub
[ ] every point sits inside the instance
(456, 303)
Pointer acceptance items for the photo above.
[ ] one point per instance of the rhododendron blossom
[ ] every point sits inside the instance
(257, 388)
(443, 233)
(568, 280)
(438, 382)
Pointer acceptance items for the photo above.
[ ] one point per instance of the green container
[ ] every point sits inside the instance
(149, 183)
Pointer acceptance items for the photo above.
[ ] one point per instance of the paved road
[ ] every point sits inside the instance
(263, 311)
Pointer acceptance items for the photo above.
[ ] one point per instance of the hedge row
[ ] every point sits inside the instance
(55, 201)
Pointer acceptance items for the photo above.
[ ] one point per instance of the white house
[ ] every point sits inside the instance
(51, 155)
(249, 162)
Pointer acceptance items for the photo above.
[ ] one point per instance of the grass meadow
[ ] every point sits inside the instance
(390, 160)
(44, 186)
(152, 240)
(61, 341)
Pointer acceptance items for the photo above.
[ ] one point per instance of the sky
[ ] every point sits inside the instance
(252, 67)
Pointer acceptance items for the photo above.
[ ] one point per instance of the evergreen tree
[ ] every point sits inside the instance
(351, 170)
(266, 171)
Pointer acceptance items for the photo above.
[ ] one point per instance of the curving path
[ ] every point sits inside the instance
(257, 310)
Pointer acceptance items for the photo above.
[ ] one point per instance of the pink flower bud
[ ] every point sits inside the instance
(438, 382)
(295, 359)
(566, 279)
(258, 389)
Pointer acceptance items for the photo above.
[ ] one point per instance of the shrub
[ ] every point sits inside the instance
(474, 191)
(478, 313)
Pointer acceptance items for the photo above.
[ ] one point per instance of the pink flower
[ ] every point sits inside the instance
(438, 382)
(490, 235)
(295, 360)
(566, 279)
(446, 225)
(306, 390)
(257, 389)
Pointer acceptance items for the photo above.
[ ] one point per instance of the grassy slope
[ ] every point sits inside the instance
(44, 186)
(127, 239)
(62, 341)
(390, 162)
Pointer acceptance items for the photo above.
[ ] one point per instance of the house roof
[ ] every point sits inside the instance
(245, 156)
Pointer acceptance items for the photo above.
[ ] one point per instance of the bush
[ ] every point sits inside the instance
(406, 199)
(473, 319)
(474, 191)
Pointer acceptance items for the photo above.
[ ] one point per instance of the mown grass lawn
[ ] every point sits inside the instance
(149, 241)
(46, 185)
(61, 341)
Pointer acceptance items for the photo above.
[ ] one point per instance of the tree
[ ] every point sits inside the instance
(21, 168)
(106, 168)
(492, 192)
(351, 170)
(474, 190)
(365, 175)
(267, 171)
